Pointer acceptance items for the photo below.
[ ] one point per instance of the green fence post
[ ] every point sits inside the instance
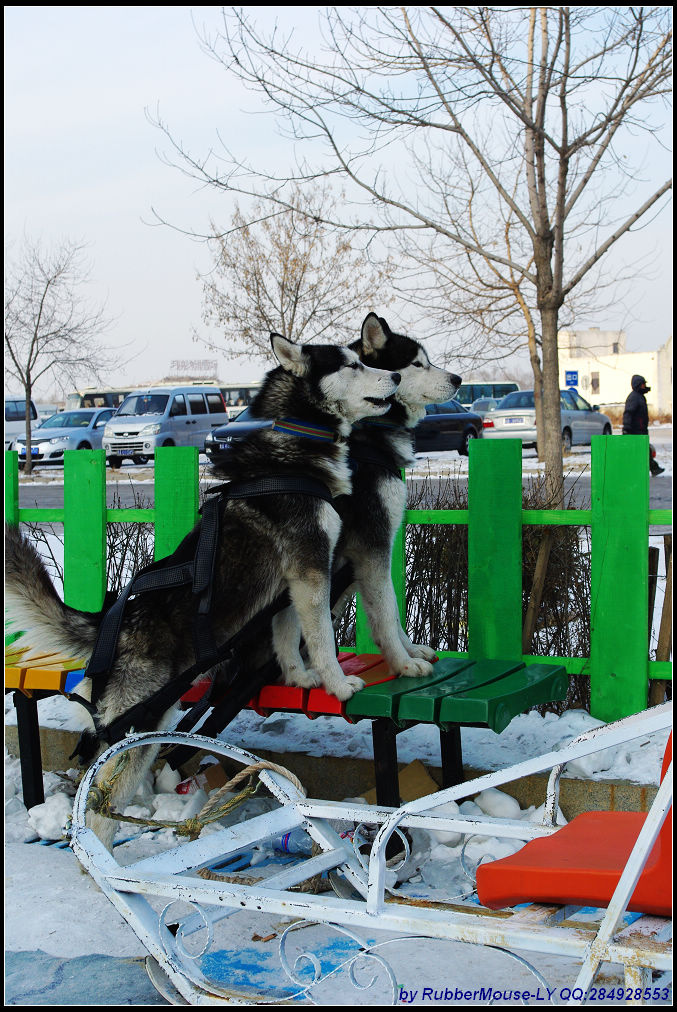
(495, 549)
(619, 578)
(177, 496)
(11, 487)
(84, 529)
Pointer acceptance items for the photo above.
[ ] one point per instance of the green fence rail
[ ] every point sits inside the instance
(619, 518)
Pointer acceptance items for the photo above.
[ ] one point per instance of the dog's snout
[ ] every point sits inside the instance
(456, 380)
(396, 378)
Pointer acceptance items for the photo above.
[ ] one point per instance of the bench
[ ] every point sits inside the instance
(460, 692)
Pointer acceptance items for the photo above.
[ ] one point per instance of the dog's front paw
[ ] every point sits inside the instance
(303, 678)
(347, 687)
(415, 667)
(422, 651)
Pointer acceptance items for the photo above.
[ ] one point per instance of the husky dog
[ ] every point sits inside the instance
(265, 544)
(372, 514)
(375, 508)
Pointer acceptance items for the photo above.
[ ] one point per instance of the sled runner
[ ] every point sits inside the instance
(179, 903)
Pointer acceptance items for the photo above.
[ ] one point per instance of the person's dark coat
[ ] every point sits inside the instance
(636, 413)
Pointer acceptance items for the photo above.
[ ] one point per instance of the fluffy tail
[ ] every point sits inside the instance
(33, 605)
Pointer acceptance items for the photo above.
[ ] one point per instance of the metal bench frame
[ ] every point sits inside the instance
(172, 875)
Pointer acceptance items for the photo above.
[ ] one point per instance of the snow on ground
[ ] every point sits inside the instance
(448, 464)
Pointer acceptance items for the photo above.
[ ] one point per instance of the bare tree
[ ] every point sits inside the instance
(50, 328)
(280, 269)
(454, 123)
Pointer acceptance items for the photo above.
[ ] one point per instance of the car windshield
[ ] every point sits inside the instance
(517, 399)
(143, 404)
(68, 420)
(242, 416)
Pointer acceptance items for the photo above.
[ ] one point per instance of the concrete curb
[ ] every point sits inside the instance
(335, 777)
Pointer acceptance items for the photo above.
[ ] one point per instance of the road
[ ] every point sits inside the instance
(134, 486)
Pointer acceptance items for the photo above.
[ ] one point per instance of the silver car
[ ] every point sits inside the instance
(67, 430)
(163, 416)
(484, 405)
(515, 417)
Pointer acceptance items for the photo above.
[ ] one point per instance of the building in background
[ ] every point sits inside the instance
(597, 364)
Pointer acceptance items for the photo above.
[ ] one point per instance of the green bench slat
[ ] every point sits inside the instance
(494, 705)
(382, 700)
(423, 704)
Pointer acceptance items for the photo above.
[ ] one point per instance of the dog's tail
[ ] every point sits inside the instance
(34, 607)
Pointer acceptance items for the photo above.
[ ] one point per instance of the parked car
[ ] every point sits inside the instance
(219, 442)
(515, 416)
(67, 430)
(467, 393)
(162, 416)
(484, 405)
(447, 426)
(15, 418)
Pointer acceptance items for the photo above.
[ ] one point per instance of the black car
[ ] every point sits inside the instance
(219, 442)
(447, 426)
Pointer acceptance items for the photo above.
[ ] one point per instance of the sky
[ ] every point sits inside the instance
(83, 161)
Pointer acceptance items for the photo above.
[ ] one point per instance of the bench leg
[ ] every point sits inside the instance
(28, 731)
(384, 737)
(452, 756)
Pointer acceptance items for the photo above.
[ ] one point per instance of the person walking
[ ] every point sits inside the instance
(636, 418)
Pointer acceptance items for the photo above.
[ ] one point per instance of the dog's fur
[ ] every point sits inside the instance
(373, 512)
(265, 545)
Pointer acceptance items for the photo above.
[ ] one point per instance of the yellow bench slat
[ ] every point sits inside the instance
(44, 671)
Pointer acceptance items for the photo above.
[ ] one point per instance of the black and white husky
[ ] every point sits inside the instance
(265, 544)
(371, 516)
(375, 508)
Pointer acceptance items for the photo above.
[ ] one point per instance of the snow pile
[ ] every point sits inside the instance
(446, 861)
(527, 735)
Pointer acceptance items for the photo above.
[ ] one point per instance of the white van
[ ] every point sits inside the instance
(162, 416)
(15, 418)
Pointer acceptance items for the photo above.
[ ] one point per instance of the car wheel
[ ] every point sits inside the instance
(566, 441)
(114, 461)
(470, 434)
(84, 446)
(607, 430)
(169, 442)
(140, 459)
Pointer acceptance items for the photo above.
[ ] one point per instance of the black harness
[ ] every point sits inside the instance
(191, 564)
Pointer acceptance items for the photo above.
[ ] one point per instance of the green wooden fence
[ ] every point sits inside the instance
(619, 518)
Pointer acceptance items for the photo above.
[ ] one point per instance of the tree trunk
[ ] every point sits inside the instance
(538, 402)
(28, 419)
(552, 417)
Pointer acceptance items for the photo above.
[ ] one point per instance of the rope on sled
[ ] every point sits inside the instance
(99, 799)
(315, 884)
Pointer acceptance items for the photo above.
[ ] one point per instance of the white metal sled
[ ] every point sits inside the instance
(178, 915)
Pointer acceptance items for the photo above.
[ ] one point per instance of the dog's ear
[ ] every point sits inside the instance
(291, 356)
(373, 335)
